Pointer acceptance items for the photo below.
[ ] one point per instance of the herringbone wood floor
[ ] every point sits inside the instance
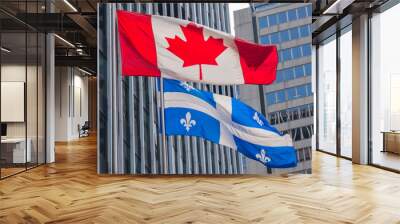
(70, 191)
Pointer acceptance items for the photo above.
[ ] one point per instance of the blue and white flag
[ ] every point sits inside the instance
(225, 121)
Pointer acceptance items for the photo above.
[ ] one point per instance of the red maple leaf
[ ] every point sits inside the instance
(195, 50)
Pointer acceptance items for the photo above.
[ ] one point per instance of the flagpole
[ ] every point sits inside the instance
(164, 139)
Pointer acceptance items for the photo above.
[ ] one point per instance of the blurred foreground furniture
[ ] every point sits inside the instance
(391, 141)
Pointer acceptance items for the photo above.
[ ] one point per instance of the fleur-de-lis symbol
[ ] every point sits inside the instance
(257, 119)
(186, 86)
(263, 157)
(187, 122)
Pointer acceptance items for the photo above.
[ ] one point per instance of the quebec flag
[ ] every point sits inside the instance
(225, 121)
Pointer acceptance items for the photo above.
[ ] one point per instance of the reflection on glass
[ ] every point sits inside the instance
(385, 84)
(22, 90)
(13, 86)
(327, 96)
(346, 94)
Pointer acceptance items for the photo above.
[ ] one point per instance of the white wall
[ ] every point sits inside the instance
(71, 94)
(17, 73)
(33, 126)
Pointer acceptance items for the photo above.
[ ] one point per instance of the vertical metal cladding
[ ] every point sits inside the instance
(129, 138)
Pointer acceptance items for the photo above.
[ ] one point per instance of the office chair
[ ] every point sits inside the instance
(84, 130)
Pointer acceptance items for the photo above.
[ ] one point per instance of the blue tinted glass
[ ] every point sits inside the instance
(281, 96)
(280, 54)
(308, 69)
(271, 98)
(280, 76)
(301, 12)
(289, 74)
(291, 93)
(275, 38)
(282, 17)
(296, 52)
(285, 35)
(309, 10)
(263, 22)
(272, 20)
(301, 91)
(298, 71)
(265, 39)
(294, 33)
(286, 55)
(292, 15)
(306, 50)
(309, 90)
(304, 31)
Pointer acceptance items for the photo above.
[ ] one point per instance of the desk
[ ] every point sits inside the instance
(391, 141)
(15, 148)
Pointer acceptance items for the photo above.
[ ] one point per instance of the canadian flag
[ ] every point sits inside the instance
(178, 49)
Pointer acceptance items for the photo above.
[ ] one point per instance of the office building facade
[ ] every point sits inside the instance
(288, 102)
(129, 138)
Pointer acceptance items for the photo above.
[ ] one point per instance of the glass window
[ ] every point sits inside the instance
(283, 116)
(14, 78)
(272, 118)
(327, 96)
(299, 71)
(296, 51)
(301, 12)
(307, 68)
(282, 17)
(280, 55)
(346, 94)
(294, 114)
(306, 50)
(309, 10)
(296, 135)
(280, 76)
(292, 14)
(311, 107)
(285, 35)
(306, 132)
(301, 91)
(265, 39)
(294, 33)
(281, 96)
(22, 83)
(287, 55)
(309, 90)
(263, 22)
(291, 93)
(275, 38)
(271, 99)
(289, 74)
(304, 31)
(272, 20)
(304, 111)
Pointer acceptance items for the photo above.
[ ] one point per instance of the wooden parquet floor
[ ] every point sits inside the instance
(70, 191)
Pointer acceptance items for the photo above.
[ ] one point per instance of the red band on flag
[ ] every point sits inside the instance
(259, 62)
(138, 50)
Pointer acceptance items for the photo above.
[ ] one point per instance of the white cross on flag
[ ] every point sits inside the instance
(179, 49)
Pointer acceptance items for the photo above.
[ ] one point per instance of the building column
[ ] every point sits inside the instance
(50, 98)
(360, 90)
